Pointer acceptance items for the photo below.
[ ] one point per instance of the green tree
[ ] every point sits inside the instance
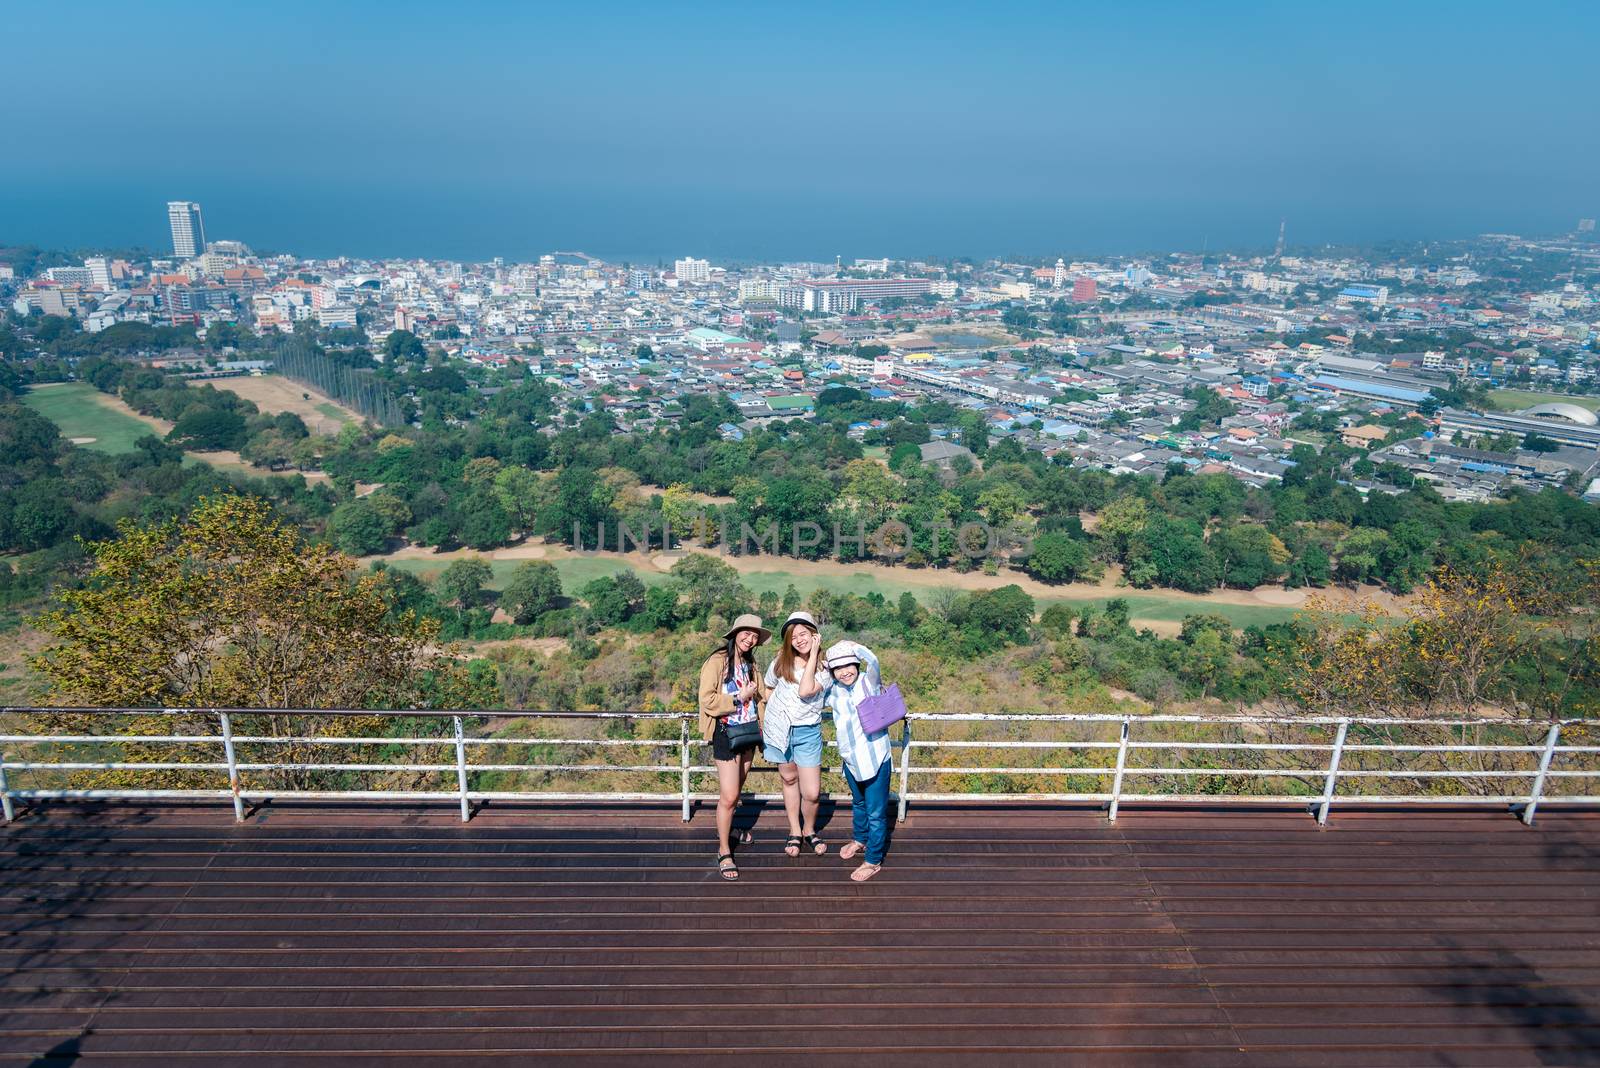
(462, 582)
(1121, 520)
(232, 607)
(484, 523)
(705, 585)
(1360, 553)
(518, 490)
(1248, 555)
(402, 346)
(608, 606)
(534, 589)
(208, 428)
(358, 529)
(1057, 557)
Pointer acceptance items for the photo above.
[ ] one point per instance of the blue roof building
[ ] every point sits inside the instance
(1364, 387)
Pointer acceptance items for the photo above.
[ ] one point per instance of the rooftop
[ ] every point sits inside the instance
(143, 933)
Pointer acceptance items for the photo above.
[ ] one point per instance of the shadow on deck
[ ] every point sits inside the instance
(166, 934)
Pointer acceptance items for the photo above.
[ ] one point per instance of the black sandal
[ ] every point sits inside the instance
(794, 841)
(731, 872)
(817, 846)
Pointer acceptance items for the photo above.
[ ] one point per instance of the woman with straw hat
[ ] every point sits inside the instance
(732, 696)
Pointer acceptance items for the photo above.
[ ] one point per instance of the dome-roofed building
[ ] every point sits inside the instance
(1571, 413)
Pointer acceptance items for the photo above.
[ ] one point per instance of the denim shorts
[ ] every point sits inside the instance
(805, 747)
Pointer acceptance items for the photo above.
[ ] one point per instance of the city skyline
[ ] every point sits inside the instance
(907, 132)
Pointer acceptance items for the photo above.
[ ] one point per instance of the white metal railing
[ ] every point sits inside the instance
(228, 756)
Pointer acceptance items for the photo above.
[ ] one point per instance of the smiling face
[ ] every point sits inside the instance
(745, 640)
(801, 639)
(846, 673)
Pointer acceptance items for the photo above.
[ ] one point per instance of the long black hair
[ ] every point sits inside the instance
(730, 651)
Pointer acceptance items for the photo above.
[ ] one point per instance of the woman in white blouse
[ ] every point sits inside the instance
(791, 730)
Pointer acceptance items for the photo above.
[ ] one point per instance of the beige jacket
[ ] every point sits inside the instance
(716, 702)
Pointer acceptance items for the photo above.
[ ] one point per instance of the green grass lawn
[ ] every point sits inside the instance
(1511, 400)
(75, 409)
(1155, 606)
(334, 412)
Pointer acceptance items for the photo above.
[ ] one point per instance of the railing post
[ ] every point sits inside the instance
(1122, 764)
(461, 768)
(905, 767)
(5, 793)
(683, 759)
(233, 765)
(1550, 740)
(1332, 782)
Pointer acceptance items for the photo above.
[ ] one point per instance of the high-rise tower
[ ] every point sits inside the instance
(188, 231)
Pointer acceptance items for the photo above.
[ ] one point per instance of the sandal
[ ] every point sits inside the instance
(816, 844)
(851, 849)
(865, 872)
(791, 845)
(744, 838)
(730, 870)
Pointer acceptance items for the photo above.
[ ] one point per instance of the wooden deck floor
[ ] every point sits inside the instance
(167, 935)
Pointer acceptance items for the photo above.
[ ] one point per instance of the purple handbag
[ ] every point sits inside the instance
(881, 711)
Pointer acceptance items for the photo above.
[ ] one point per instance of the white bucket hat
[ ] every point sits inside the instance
(798, 617)
(841, 654)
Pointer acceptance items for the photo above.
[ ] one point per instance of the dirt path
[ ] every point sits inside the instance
(225, 459)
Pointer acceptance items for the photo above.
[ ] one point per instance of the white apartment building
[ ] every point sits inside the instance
(99, 269)
(78, 276)
(337, 315)
(843, 294)
(188, 230)
(691, 271)
(758, 289)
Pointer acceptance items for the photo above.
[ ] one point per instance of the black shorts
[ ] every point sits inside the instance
(720, 747)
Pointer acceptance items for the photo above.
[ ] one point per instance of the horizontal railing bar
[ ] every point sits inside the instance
(76, 739)
(926, 770)
(110, 765)
(475, 713)
(1271, 747)
(664, 742)
(935, 744)
(264, 739)
(1252, 798)
(1443, 749)
(504, 713)
(1257, 721)
(675, 796)
(1129, 771)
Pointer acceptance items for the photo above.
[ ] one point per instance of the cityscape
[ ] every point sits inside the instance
(1032, 535)
(1468, 364)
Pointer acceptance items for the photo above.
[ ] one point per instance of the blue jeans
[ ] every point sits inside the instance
(869, 811)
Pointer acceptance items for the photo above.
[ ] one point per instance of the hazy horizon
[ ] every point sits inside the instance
(637, 132)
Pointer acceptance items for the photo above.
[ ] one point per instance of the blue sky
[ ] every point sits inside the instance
(477, 129)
